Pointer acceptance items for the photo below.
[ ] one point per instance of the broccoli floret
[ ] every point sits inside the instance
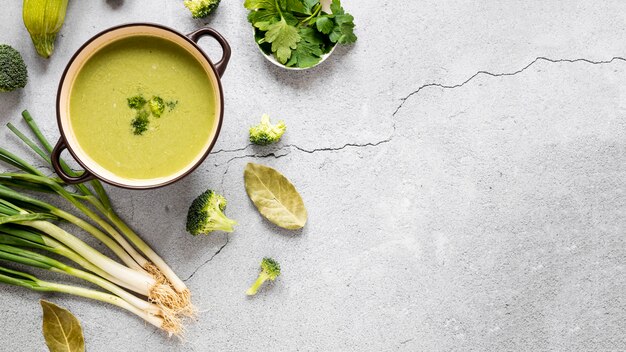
(270, 269)
(13, 74)
(137, 102)
(171, 105)
(157, 106)
(140, 122)
(265, 133)
(201, 8)
(206, 214)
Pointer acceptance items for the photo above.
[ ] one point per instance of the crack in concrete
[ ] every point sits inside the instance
(276, 154)
(406, 341)
(355, 145)
(231, 150)
(286, 150)
(487, 73)
(256, 155)
(208, 260)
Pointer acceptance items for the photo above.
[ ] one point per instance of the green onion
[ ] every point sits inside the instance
(18, 255)
(137, 261)
(33, 239)
(18, 278)
(122, 253)
(138, 281)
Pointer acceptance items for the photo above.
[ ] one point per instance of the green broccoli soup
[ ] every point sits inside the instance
(142, 108)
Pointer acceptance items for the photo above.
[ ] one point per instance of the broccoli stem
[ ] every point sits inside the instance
(227, 224)
(257, 284)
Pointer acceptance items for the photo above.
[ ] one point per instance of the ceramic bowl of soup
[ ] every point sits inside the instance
(140, 106)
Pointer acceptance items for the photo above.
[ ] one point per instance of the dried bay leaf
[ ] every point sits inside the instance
(61, 329)
(275, 196)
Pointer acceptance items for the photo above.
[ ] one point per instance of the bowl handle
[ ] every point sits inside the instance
(58, 168)
(220, 66)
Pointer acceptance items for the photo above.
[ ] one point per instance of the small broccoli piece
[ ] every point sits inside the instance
(13, 74)
(265, 133)
(157, 106)
(140, 122)
(201, 8)
(270, 269)
(206, 214)
(171, 105)
(137, 102)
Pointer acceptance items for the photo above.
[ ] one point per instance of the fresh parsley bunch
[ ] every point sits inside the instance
(299, 32)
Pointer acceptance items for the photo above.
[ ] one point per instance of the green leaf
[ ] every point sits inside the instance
(284, 38)
(61, 329)
(274, 196)
(335, 7)
(264, 26)
(24, 217)
(310, 35)
(295, 6)
(346, 20)
(309, 50)
(259, 4)
(306, 55)
(343, 32)
(262, 11)
(269, 16)
(309, 4)
(324, 24)
(290, 19)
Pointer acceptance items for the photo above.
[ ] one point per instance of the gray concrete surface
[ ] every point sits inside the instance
(464, 167)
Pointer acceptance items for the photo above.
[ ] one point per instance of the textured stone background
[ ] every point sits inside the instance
(464, 167)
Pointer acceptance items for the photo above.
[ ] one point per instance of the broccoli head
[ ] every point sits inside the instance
(206, 214)
(13, 74)
(270, 269)
(201, 8)
(137, 102)
(140, 122)
(265, 133)
(157, 106)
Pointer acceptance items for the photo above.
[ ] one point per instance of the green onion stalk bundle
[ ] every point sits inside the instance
(27, 222)
(18, 278)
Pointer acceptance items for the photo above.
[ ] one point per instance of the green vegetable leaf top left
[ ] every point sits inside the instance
(43, 20)
(13, 73)
(61, 329)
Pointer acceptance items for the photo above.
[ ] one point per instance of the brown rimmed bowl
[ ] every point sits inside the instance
(68, 140)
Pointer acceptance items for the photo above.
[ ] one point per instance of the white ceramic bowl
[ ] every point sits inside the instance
(272, 59)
